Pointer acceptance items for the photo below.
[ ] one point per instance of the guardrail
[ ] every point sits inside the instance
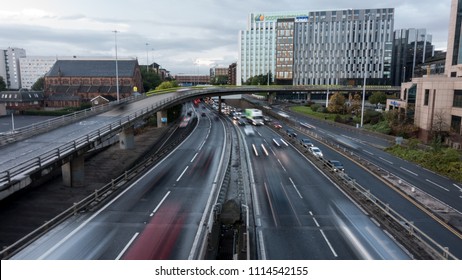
(431, 247)
(92, 201)
(23, 170)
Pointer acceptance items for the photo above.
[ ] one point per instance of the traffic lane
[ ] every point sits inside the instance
(397, 202)
(318, 193)
(106, 235)
(445, 189)
(284, 224)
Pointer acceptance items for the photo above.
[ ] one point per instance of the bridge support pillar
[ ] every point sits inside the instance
(73, 172)
(127, 139)
(161, 115)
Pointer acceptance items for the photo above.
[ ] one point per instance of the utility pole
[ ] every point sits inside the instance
(117, 66)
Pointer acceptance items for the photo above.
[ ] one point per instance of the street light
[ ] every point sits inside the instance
(117, 67)
(147, 58)
(269, 58)
(364, 100)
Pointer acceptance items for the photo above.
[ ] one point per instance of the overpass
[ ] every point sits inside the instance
(35, 151)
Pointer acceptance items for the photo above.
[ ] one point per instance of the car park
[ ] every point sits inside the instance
(305, 142)
(316, 152)
(335, 165)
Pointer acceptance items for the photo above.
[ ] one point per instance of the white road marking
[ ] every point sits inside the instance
(264, 149)
(368, 152)
(276, 142)
(385, 160)
(194, 157)
(295, 187)
(182, 173)
(328, 243)
(281, 165)
(460, 189)
(255, 150)
(126, 246)
(407, 170)
(439, 186)
(284, 142)
(160, 203)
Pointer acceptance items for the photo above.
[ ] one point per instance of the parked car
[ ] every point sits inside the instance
(291, 133)
(335, 165)
(316, 152)
(305, 142)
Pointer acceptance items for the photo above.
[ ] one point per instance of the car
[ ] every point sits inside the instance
(305, 142)
(203, 114)
(291, 133)
(335, 165)
(241, 122)
(316, 152)
(277, 125)
(248, 129)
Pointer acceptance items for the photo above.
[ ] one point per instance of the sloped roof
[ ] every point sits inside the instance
(92, 68)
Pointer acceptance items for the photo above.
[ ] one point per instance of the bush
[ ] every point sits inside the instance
(315, 107)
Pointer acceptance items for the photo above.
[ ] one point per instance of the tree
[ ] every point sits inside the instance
(167, 85)
(39, 85)
(259, 80)
(336, 103)
(378, 97)
(150, 79)
(220, 80)
(2, 84)
(356, 103)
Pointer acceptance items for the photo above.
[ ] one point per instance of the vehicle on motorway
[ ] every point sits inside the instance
(277, 125)
(291, 133)
(254, 116)
(335, 165)
(249, 130)
(305, 142)
(203, 114)
(241, 122)
(316, 152)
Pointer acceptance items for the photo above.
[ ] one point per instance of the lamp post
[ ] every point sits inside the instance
(364, 98)
(147, 58)
(117, 66)
(269, 59)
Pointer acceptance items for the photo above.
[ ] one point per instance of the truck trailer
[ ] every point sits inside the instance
(254, 116)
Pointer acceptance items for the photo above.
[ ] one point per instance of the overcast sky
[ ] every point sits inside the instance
(183, 36)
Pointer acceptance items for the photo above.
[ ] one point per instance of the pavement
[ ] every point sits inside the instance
(29, 209)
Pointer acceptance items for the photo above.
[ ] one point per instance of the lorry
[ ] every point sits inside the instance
(254, 116)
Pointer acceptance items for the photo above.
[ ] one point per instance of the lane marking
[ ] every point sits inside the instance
(202, 145)
(255, 150)
(127, 246)
(182, 173)
(271, 204)
(407, 170)
(160, 203)
(295, 187)
(276, 142)
(282, 165)
(264, 149)
(368, 152)
(194, 157)
(262, 245)
(439, 186)
(328, 243)
(284, 142)
(460, 189)
(385, 160)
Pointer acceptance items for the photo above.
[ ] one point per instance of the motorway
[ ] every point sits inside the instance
(301, 214)
(156, 217)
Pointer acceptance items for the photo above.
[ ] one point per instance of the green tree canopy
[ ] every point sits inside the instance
(167, 85)
(220, 80)
(39, 85)
(336, 103)
(356, 103)
(378, 97)
(151, 79)
(259, 80)
(2, 84)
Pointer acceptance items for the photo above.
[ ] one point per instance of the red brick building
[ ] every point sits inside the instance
(71, 83)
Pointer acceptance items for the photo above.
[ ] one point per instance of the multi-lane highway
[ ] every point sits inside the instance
(301, 214)
(157, 217)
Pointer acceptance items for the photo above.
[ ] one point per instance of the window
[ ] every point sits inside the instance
(455, 123)
(457, 99)
(427, 96)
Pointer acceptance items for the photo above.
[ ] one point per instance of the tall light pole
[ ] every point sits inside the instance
(117, 66)
(269, 59)
(364, 100)
(147, 58)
